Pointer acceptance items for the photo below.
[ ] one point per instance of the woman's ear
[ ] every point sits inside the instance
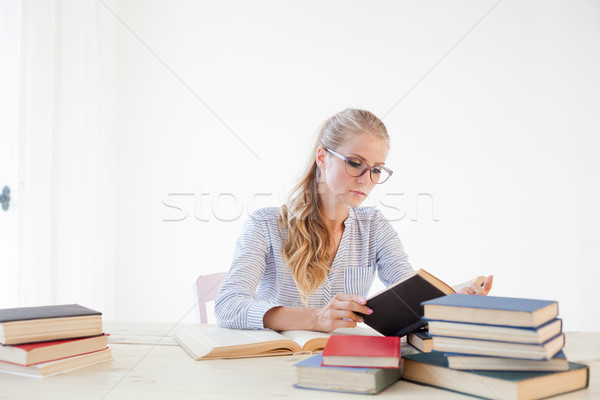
(320, 158)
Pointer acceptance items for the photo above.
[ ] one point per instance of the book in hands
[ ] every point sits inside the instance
(432, 369)
(312, 374)
(530, 351)
(35, 353)
(491, 310)
(397, 310)
(362, 351)
(211, 342)
(57, 366)
(538, 335)
(36, 324)
(483, 363)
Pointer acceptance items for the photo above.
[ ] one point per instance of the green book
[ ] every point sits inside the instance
(432, 369)
(313, 375)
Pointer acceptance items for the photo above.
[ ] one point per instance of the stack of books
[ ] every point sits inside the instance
(48, 340)
(495, 347)
(353, 364)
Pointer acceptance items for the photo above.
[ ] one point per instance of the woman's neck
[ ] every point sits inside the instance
(336, 215)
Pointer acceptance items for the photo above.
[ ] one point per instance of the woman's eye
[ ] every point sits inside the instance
(354, 163)
(376, 170)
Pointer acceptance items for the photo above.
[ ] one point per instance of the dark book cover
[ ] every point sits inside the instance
(43, 312)
(398, 310)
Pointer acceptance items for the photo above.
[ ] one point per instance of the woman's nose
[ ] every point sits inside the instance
(364, 178)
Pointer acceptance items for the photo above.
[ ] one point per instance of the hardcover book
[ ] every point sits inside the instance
(397, 310)
(58, 366)
(312, 374)
(432, 369)
(470, 362)
(210, 342)
(496, 332)
(530, 351)
(35, 324)
(362, 351)
(421, 340)
(35, 353)
(492, 310)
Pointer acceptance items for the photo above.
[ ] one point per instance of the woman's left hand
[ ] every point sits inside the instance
(483, 290)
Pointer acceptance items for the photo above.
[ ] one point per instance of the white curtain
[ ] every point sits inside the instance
(66, 154)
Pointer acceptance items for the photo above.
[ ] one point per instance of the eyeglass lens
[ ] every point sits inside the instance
(356, 167)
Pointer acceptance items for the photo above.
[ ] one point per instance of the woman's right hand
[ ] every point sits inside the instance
(340, 312)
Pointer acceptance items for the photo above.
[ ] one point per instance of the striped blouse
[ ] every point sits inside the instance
(259, 278)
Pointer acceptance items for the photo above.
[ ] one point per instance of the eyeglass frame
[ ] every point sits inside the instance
(367, 168)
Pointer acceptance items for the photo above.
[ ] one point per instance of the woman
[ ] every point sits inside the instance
(310, 263)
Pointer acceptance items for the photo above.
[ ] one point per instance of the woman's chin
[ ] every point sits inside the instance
(356, 201)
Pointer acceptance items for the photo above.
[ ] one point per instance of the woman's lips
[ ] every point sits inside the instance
(358, 193)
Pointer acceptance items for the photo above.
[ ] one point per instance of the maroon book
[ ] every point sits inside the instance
(362, 351)
(35, 353)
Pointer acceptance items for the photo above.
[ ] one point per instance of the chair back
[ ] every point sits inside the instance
(208, 287)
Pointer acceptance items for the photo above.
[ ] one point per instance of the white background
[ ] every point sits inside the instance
(149, 129)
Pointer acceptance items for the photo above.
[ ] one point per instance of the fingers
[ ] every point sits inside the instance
(487, 285)
(466, 290)
(473, 288)
(348, 315)
(341, 312)
(477, 290)
(350, 302)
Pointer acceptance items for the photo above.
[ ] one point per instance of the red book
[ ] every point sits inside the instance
(35, 353)
(362, 351)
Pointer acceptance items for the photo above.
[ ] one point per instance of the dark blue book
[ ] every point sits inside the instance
(484, 363)
(494, 348)
(501, 333)
(432, 369)
(312, 375)
(493, 310)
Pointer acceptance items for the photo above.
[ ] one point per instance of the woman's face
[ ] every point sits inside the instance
(341, 188)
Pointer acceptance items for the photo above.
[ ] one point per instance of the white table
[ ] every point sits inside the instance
(148, 364)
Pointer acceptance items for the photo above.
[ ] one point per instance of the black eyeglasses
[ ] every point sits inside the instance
(356, 167)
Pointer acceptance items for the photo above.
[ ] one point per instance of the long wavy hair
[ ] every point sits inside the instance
(302, 218)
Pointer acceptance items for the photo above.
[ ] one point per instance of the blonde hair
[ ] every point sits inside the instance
(306, 247)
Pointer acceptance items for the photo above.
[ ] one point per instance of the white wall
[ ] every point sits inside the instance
(492, 108)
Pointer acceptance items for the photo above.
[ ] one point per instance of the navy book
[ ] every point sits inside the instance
(531, 351)
(501, 333)
(509, 311)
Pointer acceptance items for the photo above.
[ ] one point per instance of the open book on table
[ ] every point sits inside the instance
(208, 342)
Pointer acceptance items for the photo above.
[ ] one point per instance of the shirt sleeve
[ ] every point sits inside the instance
(392, 261)
(236, 304)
